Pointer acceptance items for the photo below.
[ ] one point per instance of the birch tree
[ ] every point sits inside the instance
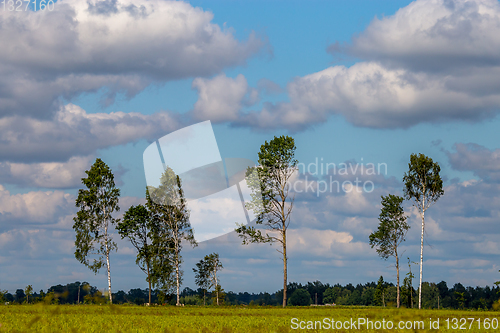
(391, 231)
(201, 277)
(424, 186)
(214, 265)
(97, 203)
(272, 202)
(171, 221)
(206, 274)
(138, 228)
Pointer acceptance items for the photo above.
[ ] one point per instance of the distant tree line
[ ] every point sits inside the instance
(379, 293)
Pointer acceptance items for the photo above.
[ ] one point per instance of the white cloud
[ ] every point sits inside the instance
(49, 175)
(306, 242)
(122, 45)
(434, 35)
(432, 61)
(368, 94)
(483, 162)
(34, 207)
(221, 98)
(74, 132)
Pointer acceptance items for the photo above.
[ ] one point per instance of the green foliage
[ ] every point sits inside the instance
(206, 273)
(218, 296)
(191, 300)
(460, 296)
(50, 298)
(270, 196)
(330, 295)
(269, 184)
(138, 227)
(28, 291)
(97, 203)
(392, 228)
(20, 296)
(96, 298)
(391, 231)
(379, 297)
(300, 297)
(170, 220)
(202, 277)
(423, 184)
(430, 293)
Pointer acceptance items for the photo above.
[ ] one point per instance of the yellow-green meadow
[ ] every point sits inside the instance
(120, 318)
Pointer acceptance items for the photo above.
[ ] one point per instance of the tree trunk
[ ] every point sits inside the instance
(216, 289)
(284, 268)
(107, 262)
(421, 260)
(177, 276)
(397, 269)
(149, 280)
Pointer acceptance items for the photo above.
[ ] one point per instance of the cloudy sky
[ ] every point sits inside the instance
(354, 82)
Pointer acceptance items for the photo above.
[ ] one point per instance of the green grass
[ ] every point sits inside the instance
(97, 318)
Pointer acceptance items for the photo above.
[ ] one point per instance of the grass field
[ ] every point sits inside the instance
(96, 318)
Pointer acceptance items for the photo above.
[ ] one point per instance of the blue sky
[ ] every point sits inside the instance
(358, 81)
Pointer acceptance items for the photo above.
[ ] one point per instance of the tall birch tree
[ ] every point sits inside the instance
(424, 186)
(391, 231)
(272, 201)
(171, 221)
(97, 203)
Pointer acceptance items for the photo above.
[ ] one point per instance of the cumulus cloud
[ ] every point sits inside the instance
(323, 243)
(432, 61)
(368, 94)
(221, 98)
(120, 45)
(469, 207)
(74, 132)
(36, 207)
(49, 175)
(483, 162)
(433, 35)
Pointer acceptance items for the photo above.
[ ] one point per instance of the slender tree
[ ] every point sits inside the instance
(214, 265)
(97, 204)
(391, 231)
(379, 295)
(206, 274)
(171, 220)
(408, 284)
(138, 228)
(202, 277)
(29, 292)
(271, 199)
(424, 186)
(219, 295)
